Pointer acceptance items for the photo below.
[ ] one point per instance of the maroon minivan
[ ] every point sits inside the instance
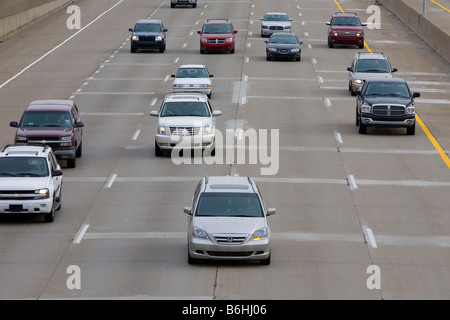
(56, 123)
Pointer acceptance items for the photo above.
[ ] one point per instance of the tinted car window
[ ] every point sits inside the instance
(388, 89)
(372, 65)
(185, 108)
(23, 167)
(276, 17)
(217, 28)
(46, 119)
(283, 39)
(229, 205)
(147, 27)
(346, 21)
(192, 73)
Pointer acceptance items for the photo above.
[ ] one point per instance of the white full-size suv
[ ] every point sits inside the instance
(30, 181)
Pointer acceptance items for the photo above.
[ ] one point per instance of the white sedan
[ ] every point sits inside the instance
(193, 78)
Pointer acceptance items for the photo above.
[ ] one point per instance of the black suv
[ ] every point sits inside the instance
(386, 103)
(148, 34)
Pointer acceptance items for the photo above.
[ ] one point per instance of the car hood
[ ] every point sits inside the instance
(346, 28)
(229, 225)
(23, 183)
(44, 131)
(185, 121)
(217, 35)
(371, 75)
(146, 33)
(387, 100)
(276, 23)
(283, 46)
(193, 81)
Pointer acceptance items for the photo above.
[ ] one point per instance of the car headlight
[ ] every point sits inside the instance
(295, 50)
(161, 129)
(265, 27)
(272, 49)
(259, 234)
(366, 108)
(357, 81)
(335, 33)
(204, 40)
(287, 27)
(199, 233)
(229, 40)
(159, 38)
(135, 38)
(411, 109)
(42, 193)
(66, 141)
(208, 128)
(21, 139)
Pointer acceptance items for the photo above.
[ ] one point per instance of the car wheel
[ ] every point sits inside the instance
(232, 51)
(299, 58)
(158, 151)
(266, 261)
(133, 50)
(330, 45)
(194, 5)
(59, 200)
(191, 260)
(357, 117)
(362, 127)
(209, 95)
(50, 217)
(411, 130)
(361, 46)
(267, 58)
(79, 152)
(72, 163)
(172, 5)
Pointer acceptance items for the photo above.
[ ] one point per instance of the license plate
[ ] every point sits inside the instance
(15, 208)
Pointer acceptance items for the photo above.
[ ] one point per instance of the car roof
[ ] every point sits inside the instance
(229, 184)
(24, 151)
(284, 34)
(174, 96)
(192, 66)
(150, 21)
(280, 13)
(369, 55)
(393, 80)
(62, 105)
(217, 21)
(345, 14)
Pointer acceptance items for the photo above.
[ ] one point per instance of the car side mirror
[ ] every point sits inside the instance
(266, 41)
(394, 70)
(14, 124)
(211, 75)
(301, 42)
(364, 24)
(416, 94)
(154, 113)
(79, 124)
(199, 32)
(187, 210)
(328, 23)
(235, 31)
(131, 30)
(216, 113)
(271, 211)
(57, 173)
(165, 30)
(173, 76)
(350, 69)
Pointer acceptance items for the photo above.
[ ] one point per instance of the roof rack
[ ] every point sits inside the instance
(345, 13)
(222, 19)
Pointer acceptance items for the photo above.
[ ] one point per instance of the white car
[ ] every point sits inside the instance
(275, 22)
(185, 118)
(192, 78)
(227, 220)
(30, 181)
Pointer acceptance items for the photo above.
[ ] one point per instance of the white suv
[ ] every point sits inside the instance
(186, 119)
(30, 181)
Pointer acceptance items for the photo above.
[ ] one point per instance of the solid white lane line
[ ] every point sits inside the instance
(58, 46)
(80, 234)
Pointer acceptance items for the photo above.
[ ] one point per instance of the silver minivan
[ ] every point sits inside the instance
(227, 220)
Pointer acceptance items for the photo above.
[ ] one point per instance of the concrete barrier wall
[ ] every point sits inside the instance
(429, 31)
(17, 13)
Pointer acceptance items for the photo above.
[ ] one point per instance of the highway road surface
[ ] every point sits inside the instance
(358, 216)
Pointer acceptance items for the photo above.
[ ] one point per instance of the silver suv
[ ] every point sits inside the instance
(227, 220)
(187, 120)
(30, 181)
(366, 66)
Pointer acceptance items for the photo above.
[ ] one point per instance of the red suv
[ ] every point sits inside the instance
(217, 35)
(56, 123)
(345, 28)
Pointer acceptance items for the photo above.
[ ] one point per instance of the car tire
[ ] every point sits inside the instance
(411, 130)
(361, 46)
(59, 200)
(133, 50)
(158, 151)
(299, 58)
(266, 261)
(172, 5)
(357, 118)
(194, 6)
(232, 51)
(50, 217)
(209, 95)
(362, 127)
(191, 260)
(72, 163)
(330, 45)
(350, 88)
(79, 151)
(268, 58)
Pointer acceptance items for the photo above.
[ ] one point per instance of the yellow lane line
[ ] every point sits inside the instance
(440, 5)
(425, 129)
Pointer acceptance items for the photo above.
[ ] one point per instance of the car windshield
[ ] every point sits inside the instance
(23, 167)
(147, 27)
(217, 28)
(346, 21)
(387, 89)
(192, 73)
(283, 39)
(46, 119)
(229, 205)
(372, 65)
(276, 17)
(185, 109)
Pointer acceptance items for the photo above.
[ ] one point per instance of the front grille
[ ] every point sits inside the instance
(276, 28)
(19, 195)
(388, 110)
(146, 38)
(230, 239)
(216, 40)
(184, 131)
(347, 33)
(283, 51)
(230, 254)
